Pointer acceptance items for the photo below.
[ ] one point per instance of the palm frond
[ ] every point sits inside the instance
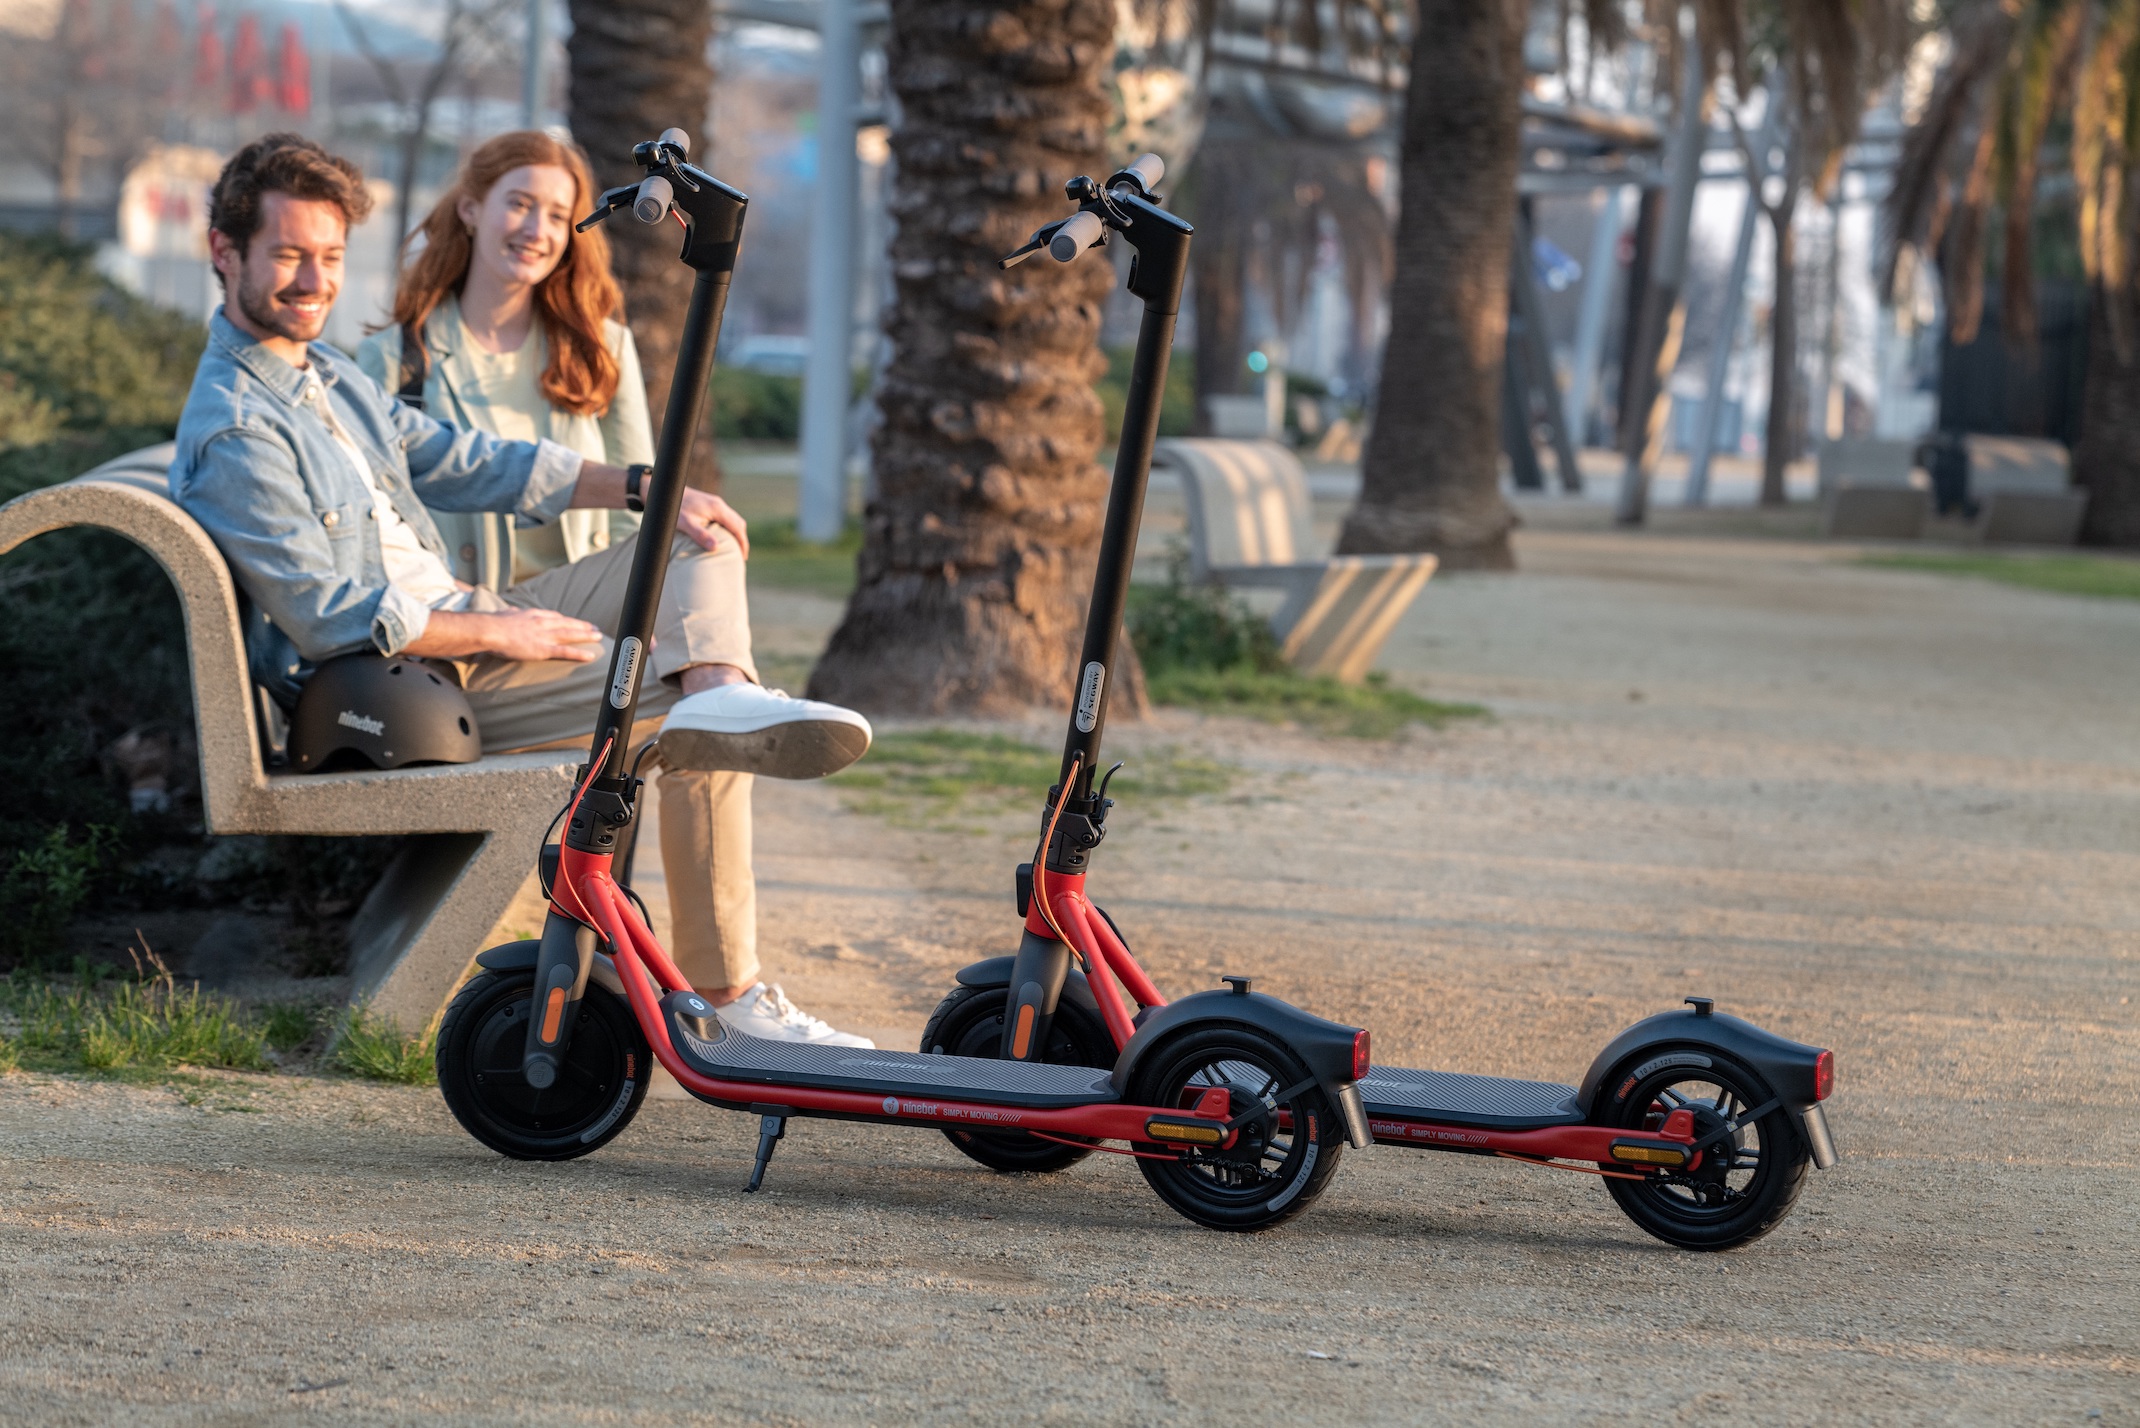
(1922, 199)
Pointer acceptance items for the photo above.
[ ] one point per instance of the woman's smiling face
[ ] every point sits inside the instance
(524, 224)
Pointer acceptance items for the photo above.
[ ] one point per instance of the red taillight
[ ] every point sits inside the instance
(1359, 1056)
(1823, 1075)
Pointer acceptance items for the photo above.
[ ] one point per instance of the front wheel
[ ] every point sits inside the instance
(598, 1090)
(1743, 1187)
(969, 1022)
(1286, 1151)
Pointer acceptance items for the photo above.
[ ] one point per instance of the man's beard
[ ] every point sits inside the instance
(257, 301)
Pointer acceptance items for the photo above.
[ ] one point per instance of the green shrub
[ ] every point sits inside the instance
(44, 885)
(1177, 403)
(756, 406)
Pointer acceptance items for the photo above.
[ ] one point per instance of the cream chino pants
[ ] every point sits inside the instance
(703, 618)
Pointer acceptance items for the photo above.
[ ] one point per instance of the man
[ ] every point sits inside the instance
(313, 481)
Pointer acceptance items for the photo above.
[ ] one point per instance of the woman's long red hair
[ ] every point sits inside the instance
(581, 376)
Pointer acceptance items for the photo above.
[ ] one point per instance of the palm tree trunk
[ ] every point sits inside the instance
(1780, 441)
(1430, 481)
(2107, 461)
(978, 546)
(638, 67)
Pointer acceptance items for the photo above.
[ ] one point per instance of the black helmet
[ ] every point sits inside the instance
(360, 709)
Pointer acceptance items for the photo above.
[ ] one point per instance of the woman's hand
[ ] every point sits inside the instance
(703, 516)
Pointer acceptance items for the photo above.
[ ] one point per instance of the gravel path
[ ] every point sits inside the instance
(1896, 814)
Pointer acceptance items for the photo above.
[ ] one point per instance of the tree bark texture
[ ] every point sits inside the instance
(1430, 481)
(978, 546)
(1780, 440)
(639, 67)
(2107, 460)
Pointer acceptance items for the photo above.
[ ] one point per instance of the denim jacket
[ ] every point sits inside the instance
(260, 469)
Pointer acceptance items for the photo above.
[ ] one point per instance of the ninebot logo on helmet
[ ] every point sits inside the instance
(350, 719)
(1088, 696)
(620, 688)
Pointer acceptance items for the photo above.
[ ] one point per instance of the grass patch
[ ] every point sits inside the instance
(946, 778)
(378, 1050)
(117, 1026)
(783, 560)
(2100, 576)
(1374, 710)
(1203, 649)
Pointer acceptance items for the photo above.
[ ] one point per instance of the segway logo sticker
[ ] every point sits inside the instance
(351, 719)
(620, 688)
(1088, 696)
(891, 1105)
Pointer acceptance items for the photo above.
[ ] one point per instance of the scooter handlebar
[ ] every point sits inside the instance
(1149, 169)
(655, 195)
(683, 141)
(1079, 231)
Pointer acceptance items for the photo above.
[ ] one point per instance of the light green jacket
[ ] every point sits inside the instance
(480, 544)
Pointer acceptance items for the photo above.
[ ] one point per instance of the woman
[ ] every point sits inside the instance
(504, 321)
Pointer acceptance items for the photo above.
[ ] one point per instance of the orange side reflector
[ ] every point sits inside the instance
(1022, 1035)
(553, 1014)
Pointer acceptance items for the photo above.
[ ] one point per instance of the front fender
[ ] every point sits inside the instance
(996, 972)
(522, 956)
(1788, 1066)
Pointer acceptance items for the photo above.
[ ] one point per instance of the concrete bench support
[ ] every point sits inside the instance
(478, 824)
(1249, 527)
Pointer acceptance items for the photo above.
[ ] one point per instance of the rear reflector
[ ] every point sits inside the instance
(1649, 1152)
(1359, 1056)
(1823, 1075)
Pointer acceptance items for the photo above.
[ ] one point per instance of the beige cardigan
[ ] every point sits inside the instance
(480, 544)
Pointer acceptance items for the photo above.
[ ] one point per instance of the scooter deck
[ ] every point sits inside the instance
(727, 1055)
(1457, 1099)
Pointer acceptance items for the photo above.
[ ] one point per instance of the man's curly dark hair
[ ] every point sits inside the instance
(283, 163)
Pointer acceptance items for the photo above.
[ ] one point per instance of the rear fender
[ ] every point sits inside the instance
(996, 972)
(1787, 1066)
(1325, 1047)
(521, 957)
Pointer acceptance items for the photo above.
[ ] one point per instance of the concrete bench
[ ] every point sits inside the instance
(1249, 527)
(475, 826)
(2024, 492)
(1869, 490)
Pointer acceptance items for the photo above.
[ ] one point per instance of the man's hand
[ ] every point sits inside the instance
(514, 634)
(702, 517)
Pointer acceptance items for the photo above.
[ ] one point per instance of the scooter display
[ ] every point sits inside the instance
(1235, 1105)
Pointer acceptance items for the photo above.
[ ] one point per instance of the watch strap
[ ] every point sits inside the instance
(634, 486)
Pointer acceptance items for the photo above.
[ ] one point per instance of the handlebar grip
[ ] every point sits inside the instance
(1079, 232)
(677, 137)
(655, 195)
(1149, 169)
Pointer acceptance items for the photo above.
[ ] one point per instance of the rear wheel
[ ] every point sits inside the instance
(598, 1090)
(969, 1022)
(1744, 1185)
(1286, 1151)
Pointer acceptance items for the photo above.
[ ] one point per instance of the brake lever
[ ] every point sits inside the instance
(610, 202)
(1033, 245)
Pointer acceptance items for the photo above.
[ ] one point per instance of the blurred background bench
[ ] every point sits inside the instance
(1249, 527)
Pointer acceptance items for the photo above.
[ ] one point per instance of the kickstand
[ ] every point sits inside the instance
(772, 1125)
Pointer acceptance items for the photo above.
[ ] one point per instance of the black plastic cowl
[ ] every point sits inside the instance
(1787, 1066)
(1325, 1047)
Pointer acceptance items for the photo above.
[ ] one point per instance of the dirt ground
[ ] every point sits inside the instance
(1892, 813)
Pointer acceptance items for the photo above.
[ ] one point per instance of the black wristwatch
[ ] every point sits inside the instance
(633, 477)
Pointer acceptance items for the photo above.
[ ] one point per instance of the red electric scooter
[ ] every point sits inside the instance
(1235, 1105)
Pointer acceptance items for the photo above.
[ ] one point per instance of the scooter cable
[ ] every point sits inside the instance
(1040, 858)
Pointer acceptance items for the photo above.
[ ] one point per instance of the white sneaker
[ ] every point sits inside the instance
(766, 1012)
(751, 729)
